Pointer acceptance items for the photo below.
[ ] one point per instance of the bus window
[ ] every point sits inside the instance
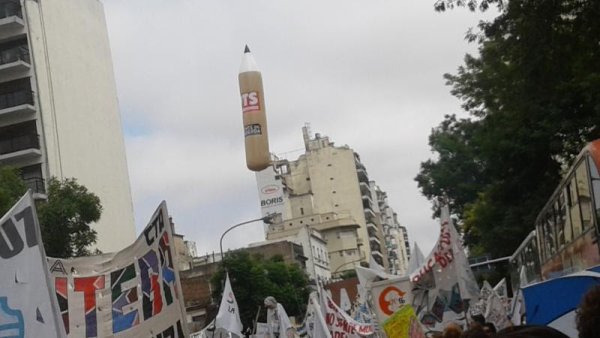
(595, 185)
(549, 238)
(585, 198)
(574, 210)
(560, 221)
(540, 239)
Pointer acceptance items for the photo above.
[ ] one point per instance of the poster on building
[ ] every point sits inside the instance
(270, 192)
(403, 324)
(389, 296)
(27, 306)
(135, 292)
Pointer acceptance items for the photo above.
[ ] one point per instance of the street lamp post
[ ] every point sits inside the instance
(338, 268)
(267, 219)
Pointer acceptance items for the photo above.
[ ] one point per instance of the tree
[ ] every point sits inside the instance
(533, 99)
(253, 278)
(12, 188)
(65, 218)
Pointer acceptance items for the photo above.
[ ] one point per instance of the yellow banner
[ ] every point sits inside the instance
(403, 324)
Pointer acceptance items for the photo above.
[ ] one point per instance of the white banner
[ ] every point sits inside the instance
(444, 281)
(27, 304)
(496, 312)
(135, 292)
(389, 296)
(341, 325)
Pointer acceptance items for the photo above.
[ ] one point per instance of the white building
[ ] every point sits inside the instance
(326, 188)
(59, 113)
(395, 236)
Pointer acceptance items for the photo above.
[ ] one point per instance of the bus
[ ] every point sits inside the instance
(565, 239)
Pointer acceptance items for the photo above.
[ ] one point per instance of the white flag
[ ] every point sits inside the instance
(496, 312)
(318, 329)
(416, 259)
(500, 289)
(345, 303)
(228, 317)
(28, 305)
(444, 281)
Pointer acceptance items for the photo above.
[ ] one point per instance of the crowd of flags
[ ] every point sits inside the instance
(438, 289)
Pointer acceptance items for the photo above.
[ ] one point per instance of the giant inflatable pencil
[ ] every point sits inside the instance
(253, 112)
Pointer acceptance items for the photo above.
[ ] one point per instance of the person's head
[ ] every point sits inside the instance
(588, 314)
(270, 302)
(476, 321)
(489, 328)
(530, 331)
(452, 330)
(476, 332)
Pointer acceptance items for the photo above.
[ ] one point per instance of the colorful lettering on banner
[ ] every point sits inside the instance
(60, 284)
(166, 262)
(151, 295)
(123, 295)
(142, 280)
(89, 286)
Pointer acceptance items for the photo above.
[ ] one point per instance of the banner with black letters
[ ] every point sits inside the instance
(135, 292)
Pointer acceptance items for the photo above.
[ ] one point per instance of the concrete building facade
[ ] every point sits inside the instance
(59, 114)
(328, 189)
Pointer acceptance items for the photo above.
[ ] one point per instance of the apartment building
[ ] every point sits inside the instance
(59, 114)
(327, 188)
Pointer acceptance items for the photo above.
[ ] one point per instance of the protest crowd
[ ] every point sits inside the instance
(97, 296)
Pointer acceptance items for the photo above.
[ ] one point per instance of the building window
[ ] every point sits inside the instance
(301, 212)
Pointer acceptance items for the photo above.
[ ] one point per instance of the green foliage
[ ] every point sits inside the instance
(253, 278)
(65, 219)
(348, 274)
(11, 188)
(533, 99)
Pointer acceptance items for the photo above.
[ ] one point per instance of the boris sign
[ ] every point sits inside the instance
(132, 293)
(270, 192)
(27, 306)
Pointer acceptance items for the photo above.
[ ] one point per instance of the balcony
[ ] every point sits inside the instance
(374, 239)
(367, 202)
(378, 257)
(369, 214)
(362, 176)
(37, 185)
(14, 61)
(21, 147)
(11, 17)
(17, 103)
(365, 190)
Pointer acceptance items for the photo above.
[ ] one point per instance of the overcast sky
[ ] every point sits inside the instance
(365, 73)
